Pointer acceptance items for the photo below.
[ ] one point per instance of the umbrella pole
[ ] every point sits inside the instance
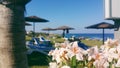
(103, 35)
(67, 31)
(33, 29)
(63, 33)
(48, 32)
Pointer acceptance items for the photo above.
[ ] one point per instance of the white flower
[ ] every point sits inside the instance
(55, 55)
(52, 65)
(93, 53)
(118, 49)
(113, 53)
(109, 52)
(101, 63)
(65, 66)
(58, 59)
(79, 56)
(111, 43)
(77, 51)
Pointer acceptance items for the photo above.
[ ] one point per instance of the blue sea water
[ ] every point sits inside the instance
(91, 35)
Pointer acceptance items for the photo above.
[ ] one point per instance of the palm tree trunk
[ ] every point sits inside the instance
(12, 36)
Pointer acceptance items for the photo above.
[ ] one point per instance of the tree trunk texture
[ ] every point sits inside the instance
(12, 37)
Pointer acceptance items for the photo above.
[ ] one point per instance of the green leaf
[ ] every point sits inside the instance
(74, 62)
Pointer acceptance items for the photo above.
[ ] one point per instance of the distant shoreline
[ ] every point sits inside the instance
(91, 35)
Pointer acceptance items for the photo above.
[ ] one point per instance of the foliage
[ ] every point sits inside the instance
(37, 59)
(56, 40)
(92, 42)
(28, 38)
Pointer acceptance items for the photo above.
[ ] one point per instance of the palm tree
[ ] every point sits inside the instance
(12, 34)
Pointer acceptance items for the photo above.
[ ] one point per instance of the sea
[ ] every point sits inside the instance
(91, 35)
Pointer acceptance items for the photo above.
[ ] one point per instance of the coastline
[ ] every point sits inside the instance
(91, 35)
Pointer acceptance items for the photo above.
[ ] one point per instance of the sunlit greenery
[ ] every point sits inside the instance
(38, 60)
(92, 42)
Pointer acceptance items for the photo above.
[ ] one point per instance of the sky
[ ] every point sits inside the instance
(74, 13)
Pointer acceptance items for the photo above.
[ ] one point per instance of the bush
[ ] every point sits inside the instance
(38, 59)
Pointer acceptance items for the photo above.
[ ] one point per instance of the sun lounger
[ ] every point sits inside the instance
(83, 45)
(35, 45)
(44, 41)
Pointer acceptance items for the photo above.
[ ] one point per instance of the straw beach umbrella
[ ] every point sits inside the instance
(27, 24)
(48, 29)
(35, 19)
(102, 25)
(67, 28)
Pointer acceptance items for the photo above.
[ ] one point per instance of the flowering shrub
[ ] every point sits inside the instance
(70, 55)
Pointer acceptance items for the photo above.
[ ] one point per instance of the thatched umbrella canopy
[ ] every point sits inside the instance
(48, 29)
(64, 27)
(67, 28)
(35, 19)
(27, 24)
(102, 25)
